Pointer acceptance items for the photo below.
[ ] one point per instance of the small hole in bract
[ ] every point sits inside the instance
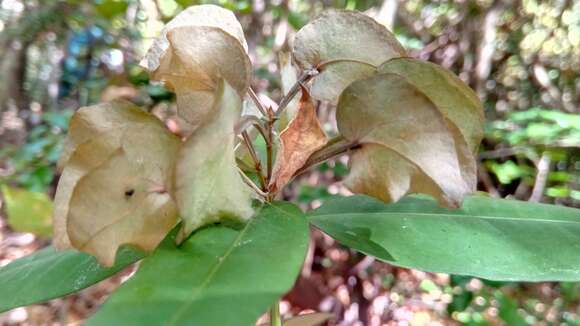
(129, 192)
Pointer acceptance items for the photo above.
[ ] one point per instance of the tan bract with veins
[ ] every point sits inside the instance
(125, 150)
(203, 15)
(355, 42)
(196, 49)
(392, 115)
(454, 99)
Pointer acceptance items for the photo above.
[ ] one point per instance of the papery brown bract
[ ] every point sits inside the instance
(298, 141)
(194, 51)
(86, 157)
(454, 99)
(407, 145)
(355, 44)
(121, 162)
(92, 121)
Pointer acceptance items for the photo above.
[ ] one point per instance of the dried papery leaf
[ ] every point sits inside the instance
(349, 45)
(202, 15)
(402, 133)
(384, 174)
(86, 157)
(197, 58)
(208, 186)
(126, 199)
(298, 141)
(458, 103)
(95, 132)
(89, 122)
(288, 77)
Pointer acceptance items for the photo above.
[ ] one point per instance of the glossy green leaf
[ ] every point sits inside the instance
(49, 274)
(489, 238)
(219, 276)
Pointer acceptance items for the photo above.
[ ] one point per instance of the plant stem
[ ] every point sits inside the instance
(323, 64)
(335, 146)
(257, 163)
(305, 77)
(252, 185)
(257, 101)
(269, 145)
(309, 74)
(275, 319)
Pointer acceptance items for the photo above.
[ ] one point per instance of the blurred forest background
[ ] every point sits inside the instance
(521, 56)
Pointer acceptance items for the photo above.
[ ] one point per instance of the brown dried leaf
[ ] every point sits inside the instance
(87, 156)
(458, 103)
(201, 15)
(354, 42)
(407, 144)
(298, 141)
(92, 121)
(126, 199)
(95, 132)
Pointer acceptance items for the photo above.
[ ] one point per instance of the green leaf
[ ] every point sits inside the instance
(489, 238)
(49, 274)
(219, 276)
(508, 310)
(111, 8)
(28, 211)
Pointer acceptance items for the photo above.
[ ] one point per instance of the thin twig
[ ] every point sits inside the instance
(309, 74)
(255, 158)
(257, 101)
(336, 146)
(304, 78)
(261, 130)
(541, 178)
(485, 179)
(323, 64)
(269, 145)
(245, 122)
(251, 183)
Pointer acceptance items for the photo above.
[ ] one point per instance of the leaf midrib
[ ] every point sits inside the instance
(483, 217)
(220, 261)
(218, 264)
